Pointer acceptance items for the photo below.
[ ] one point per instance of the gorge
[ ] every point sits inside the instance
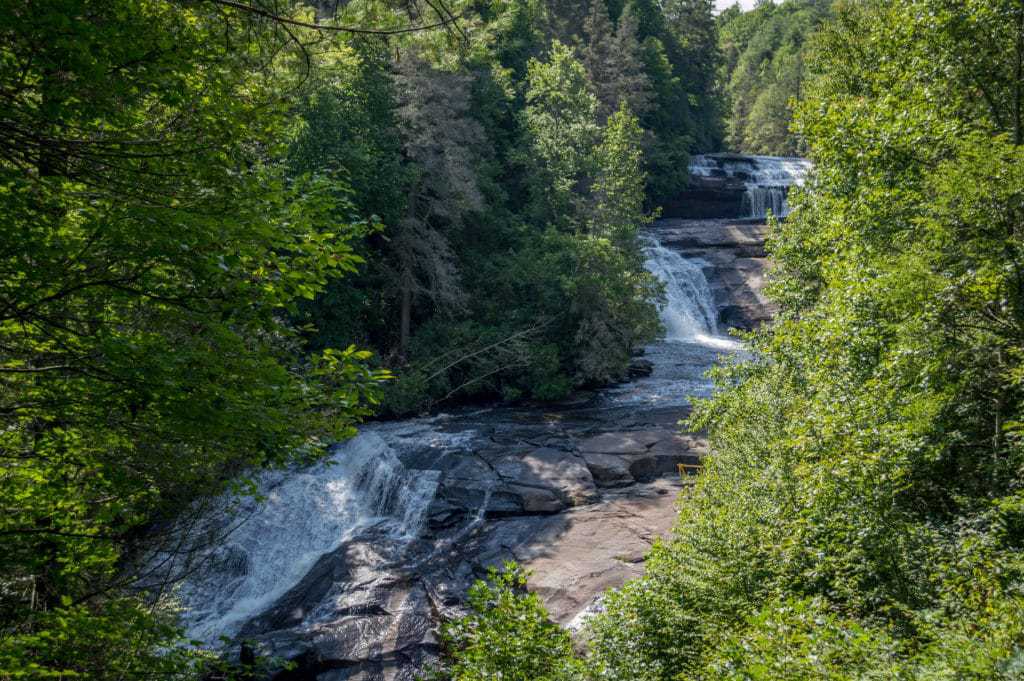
(346, 568)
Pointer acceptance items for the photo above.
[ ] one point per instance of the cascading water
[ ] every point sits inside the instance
(766, 179)
(691, 340)
(299, 517)
(689, 313)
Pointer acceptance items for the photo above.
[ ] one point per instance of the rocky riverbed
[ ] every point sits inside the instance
(347, 569)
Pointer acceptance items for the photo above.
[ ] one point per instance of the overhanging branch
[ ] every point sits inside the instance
(446, 20)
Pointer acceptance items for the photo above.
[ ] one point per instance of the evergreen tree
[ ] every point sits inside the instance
(568, 18)
(598, 56)
(695, 35)
(613, 62)
(442, 143)
(630, 82)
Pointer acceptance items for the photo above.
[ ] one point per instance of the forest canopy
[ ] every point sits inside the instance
(861, 515)
(231, 230)
(764, 72)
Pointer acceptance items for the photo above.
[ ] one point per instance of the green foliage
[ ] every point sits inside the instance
(662, 59)
(506, 635)
(612, 57)
(560, 117)
(804, 641)
(154, 245)
(114, 640)
(618, 191)
(508, 264)
(860, 516)
(765, 52)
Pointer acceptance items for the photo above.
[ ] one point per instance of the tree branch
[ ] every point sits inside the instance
(442, 23)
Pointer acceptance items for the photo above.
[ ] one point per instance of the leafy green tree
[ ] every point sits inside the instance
(350, 128)
(560, 118)
(154, 245)
(507, 634)
(618, 191)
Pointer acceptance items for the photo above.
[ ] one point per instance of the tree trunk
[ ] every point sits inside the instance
(1018, 132)
(403, 342)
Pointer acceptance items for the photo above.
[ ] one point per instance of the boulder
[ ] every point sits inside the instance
(640, 368)
(609, 470)
(547, 473)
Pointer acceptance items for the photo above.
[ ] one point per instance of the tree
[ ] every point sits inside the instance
(507, 635)
(613, 294)
(153, 246)
(695, 41)
(441, 142)
(560, 119)
(598, 55)
(618, 191)
(613, 62)
(350, 129)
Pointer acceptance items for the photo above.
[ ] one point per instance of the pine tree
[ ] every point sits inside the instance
(696, 60)
(439, 139)
(598, 56)
(613, 61)
(567, 17)
(630, 83)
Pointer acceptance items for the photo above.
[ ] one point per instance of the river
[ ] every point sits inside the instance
(346, 567)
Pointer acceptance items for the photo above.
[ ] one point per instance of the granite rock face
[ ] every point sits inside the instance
(575, 503)
(736, 264)
(576, 493)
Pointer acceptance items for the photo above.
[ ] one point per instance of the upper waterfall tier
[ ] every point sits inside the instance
(733, 186)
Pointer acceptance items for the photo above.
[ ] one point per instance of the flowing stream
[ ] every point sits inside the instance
(266, 545)
(355, 557)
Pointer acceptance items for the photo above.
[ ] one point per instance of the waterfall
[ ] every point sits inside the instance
(759, 200)
(689, 313)
(765, 179)
(298, 517)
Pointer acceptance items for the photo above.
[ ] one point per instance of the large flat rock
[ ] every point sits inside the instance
(575, 556)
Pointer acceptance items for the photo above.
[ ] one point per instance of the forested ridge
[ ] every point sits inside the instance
(231, 231)
(763, 70)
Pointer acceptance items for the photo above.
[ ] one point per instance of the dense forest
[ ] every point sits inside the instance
(862, 515)
(763, 72)
(231, 231)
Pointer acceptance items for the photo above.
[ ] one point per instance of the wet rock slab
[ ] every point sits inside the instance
(371, 608)
(576, 493)
(737, 264)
